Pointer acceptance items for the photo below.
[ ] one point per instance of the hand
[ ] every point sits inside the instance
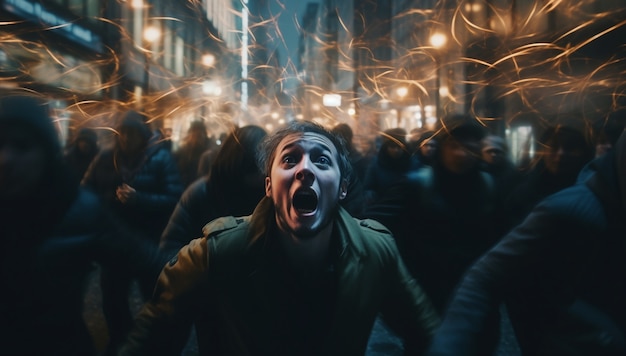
(125, 193)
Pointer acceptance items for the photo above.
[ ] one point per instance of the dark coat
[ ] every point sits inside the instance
(442, 223)
(45, 266)
(562, 273)
(200, 204)
(157, 182)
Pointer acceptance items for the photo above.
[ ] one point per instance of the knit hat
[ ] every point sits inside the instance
(31, 112)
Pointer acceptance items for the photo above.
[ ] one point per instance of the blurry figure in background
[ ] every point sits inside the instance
(444, 216)
(81, 151)
(163, 137)
(389, 166)
(207, 158)
(188, 155)
(562, 153)
(52, 233)
(496, 161)
(605, 134)
(354, 201)
(234, 187)
(300, 276)
(562, 273)
(138, 179)
(424, 149)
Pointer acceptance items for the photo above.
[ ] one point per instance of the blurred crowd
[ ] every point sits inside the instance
(476, 235)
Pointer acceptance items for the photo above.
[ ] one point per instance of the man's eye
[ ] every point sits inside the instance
(289, 160)
(323, 160)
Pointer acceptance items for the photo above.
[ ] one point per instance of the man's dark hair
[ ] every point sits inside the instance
(268, 147)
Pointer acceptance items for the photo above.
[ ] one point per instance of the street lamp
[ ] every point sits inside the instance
(438, 40)
(151, 34)
(401, 92)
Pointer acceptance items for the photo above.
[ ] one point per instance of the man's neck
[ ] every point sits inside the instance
(309, 256)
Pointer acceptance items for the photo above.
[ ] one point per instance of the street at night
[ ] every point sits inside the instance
(323, 177)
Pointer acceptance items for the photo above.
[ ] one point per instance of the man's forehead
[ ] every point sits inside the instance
(312, 138)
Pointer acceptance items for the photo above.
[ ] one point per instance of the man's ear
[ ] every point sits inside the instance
(268, 187)
(343, 189)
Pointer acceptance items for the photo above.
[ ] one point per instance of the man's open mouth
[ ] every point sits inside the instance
(305, 201)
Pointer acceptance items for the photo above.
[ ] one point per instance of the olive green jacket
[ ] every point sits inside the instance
(238, 289)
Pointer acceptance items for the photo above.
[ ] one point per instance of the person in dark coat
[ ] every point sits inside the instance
(444, 217)
(81, 151)
(563, 151)
(562, 273)
(355, 200)
(139, 181)
(234, 187)
(188, 155)
(389, 166)
(496, 161)
(52, 232)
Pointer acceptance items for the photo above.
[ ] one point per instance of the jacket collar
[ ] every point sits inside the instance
(346, 228)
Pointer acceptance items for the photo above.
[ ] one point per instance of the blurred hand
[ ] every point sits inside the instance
(125, 193)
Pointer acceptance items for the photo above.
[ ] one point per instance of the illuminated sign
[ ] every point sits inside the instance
(35, 12)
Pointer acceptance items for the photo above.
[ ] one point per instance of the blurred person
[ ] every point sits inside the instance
(563, 152)
(353, 202)
(445, 216)
(497, 162)
(234, 187)
(562, 273)
(188, 155)
(299, 276)
(138, 180)
(81, 151)
(389, 166)
(52, 232)
(424, 149)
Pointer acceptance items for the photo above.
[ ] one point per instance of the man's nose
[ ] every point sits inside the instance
(304, 171)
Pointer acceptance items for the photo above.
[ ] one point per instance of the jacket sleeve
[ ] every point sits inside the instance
(539, 252)
(163, 324)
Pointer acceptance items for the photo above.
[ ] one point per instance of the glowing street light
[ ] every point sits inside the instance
(151, 34)
(438, 40)
(208, 60)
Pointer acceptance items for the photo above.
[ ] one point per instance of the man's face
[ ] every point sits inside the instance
(305, 184)
(22, 162)
(460, 157)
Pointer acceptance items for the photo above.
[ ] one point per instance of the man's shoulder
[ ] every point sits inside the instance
(227, 234)
(224, 225)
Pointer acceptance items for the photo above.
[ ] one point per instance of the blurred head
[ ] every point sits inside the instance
(344, 131)
(460, 144)
(564, 151)
(427, 145)
(394, 143)
(133, 133)
(86, 140)
(29, 145)
(307, 172)
(494, 150)
(197, 134)
(236, 159)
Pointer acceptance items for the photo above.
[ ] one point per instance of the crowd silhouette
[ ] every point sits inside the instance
(296, 242)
